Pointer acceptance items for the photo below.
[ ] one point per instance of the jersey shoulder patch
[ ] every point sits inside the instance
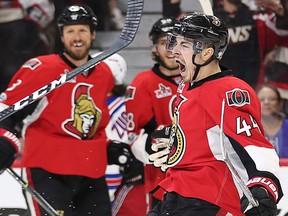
(237, 97)
(32, 63)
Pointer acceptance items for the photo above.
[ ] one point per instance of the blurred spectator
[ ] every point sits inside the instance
(22, 30)
(171, 8)
(251, 35)
(276, 70)
(282, 21)
(116, 20)
(274, 122)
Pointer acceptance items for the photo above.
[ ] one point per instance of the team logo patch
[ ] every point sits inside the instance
(85, 115)
(163, 91)
(32, 63)
(130, 93)
(237, 97)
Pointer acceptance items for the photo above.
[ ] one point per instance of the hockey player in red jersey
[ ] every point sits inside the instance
(148, 105)
(64, 132)
(215, 113)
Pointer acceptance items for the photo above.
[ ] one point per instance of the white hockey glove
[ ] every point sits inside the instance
(138, 146)
(159, 159)
(161, 147)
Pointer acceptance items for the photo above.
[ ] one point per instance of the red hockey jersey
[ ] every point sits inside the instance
(66, 132)
(196, 163)
(150, 96)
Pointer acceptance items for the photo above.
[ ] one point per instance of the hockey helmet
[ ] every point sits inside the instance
(202, 28)
(77, 14)
(161, 27)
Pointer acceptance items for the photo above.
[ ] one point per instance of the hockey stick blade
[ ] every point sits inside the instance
(132, 22)
(42, 202)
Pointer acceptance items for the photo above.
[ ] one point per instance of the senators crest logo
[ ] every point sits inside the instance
(177, 135)
(85, 115)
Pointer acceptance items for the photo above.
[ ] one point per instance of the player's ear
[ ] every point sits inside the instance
(207, 53)
(94, 35)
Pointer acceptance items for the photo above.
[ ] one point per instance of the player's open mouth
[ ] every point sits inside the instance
(182, 66)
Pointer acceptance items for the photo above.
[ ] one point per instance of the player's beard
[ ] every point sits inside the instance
(166, 65)
(78, 55)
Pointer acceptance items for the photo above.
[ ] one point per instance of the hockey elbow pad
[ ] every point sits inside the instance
(10, 146)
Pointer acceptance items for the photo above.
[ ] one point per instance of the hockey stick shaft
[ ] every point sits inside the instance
(42, 202)
(206, 6)
(239, 180)
(132, 21)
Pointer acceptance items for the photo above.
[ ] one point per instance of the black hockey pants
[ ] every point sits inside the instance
(176, 205)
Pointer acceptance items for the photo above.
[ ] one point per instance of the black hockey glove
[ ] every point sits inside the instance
(9, 148)
(119, 153)
(163, 132)
(267, 204)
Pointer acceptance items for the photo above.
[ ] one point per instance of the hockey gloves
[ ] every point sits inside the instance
(10, 146)
(161, 148)
(138, 144)
(119, 153)
(267, 204)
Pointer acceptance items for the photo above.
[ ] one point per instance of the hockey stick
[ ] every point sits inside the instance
(132, 21)
(235, 174)
(42, 202)
(206, 6)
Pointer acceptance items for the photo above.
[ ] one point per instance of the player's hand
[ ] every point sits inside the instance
(267, 204)
(9, 148)
(160, 157)
(161, 132)
(119, 153)
(161, 147)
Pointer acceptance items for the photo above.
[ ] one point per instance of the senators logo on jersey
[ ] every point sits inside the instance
(85, 114)
(237, 97)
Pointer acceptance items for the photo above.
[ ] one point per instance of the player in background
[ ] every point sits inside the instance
(116, 128)
(212, 104)
(148, 106)
(64, 132)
